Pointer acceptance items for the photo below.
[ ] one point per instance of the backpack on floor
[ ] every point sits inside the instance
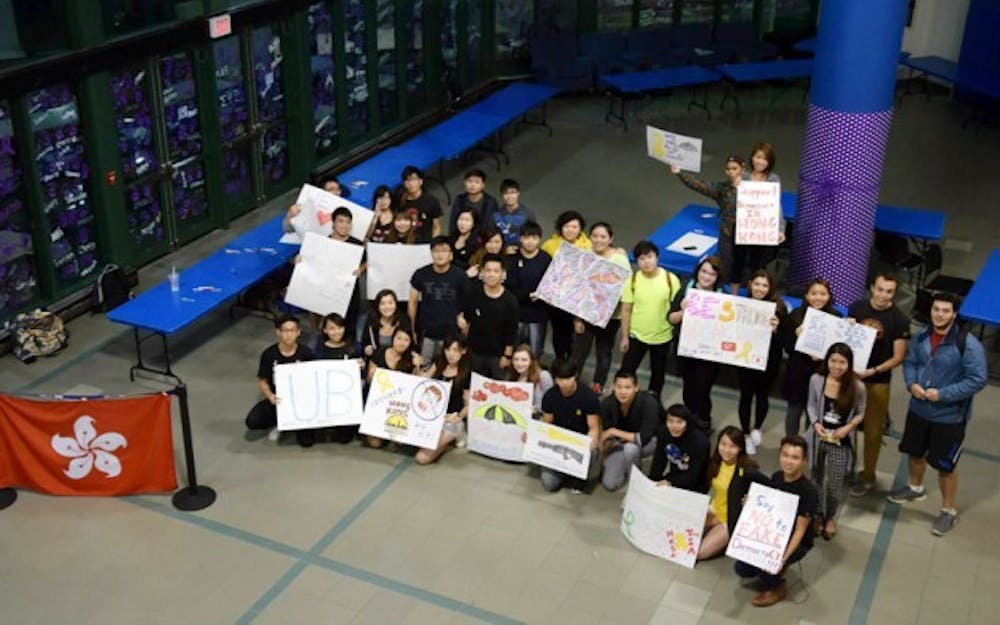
(38, 333)
(112, 290)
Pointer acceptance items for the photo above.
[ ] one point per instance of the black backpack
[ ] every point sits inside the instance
(112, 290)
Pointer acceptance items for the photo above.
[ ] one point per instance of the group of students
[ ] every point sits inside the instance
(474, 309)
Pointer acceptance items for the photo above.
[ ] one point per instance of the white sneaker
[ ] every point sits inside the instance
(273, 435)
(751, 448)
(755, 437)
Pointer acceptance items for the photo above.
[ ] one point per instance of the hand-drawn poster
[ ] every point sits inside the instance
(498, 416)
(663, 521)
(583, 284)
(390, 266)
(318, 393)
(406, 408)
(558, 449)
(317, 215)
(727, 329)
(764, 528)
(758, 213)
(820, 330)
(674, 149)
(323, 280)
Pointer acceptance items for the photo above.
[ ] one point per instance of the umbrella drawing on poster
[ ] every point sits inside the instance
(498, 417)
(583, 284)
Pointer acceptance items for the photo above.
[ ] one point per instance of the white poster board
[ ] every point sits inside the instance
(674, 149)
(820, 330)
(725, 328)
(758, 213)
(318, 393)
(558, 449)
(693, 244)
(499, 413)
(764, 528)
(317, 215)
(406, 408)
(323, 280)
(663, 521)
(391, 265)
(583, 284)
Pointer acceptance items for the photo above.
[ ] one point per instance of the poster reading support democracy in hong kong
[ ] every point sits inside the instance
(318, 394)
(558, 449)
(405, 408)
(499, 413)
(764, 528)
(758, 213)
(820, 330)
(583, 284)
(726, 328)
(663, 521)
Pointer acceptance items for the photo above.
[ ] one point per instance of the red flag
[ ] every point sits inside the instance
(87, 446)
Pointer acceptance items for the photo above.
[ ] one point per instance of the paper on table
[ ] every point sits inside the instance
(693, 244)
(674, 149)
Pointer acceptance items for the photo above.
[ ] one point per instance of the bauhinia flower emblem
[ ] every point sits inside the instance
(88, 450)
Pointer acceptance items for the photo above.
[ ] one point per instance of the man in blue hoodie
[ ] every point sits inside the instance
(944, 367)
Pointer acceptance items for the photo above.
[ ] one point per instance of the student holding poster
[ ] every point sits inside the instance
(329, 184)
(734, 257)
(789, 479)
(755, 386)
(800, 366)
(730, 472)
(698, 375)
(337, 347)
(762, 160)
(398, 356)
(264, 415)
(452, 366)
(574, 407)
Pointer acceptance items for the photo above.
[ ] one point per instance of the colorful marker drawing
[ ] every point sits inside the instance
(583, 284)
(500, 412)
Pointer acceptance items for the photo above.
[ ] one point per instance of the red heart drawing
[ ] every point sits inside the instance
(324, 217)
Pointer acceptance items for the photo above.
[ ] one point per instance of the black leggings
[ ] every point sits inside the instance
(657, 361)
(755, 386)
(699, 377)
(604, 338)
(562, 332)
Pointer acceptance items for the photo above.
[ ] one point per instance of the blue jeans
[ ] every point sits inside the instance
(770, 581)
(533, 334)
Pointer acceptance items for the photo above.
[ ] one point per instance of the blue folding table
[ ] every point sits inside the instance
(636, 84)
(736, 73)
(982, 304)
(923, 226)
(692, 218)
(204, 287)
(516, 100)
(384, 168)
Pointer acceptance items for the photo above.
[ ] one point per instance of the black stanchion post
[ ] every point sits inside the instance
(7, 497)
(193, 496)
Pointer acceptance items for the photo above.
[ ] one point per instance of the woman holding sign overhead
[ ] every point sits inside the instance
(836, 408)
(734, 257)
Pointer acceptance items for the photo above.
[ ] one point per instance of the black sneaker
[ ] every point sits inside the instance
(306, 438)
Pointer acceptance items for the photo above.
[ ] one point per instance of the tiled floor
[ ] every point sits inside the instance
(338, 534)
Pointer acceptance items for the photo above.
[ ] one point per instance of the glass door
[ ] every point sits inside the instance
(68, 222)
(473, 63)
(388, 64)
(324, 82)
(356, 70)
(416, 81)
(18, 270)
(234, 126)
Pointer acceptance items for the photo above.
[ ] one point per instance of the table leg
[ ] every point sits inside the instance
(703, 105)
(620, 97)
(544, 122)
(141, 366)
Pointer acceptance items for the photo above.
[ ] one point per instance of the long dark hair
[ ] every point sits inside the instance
(735, 435)
(464, 368)
(772, 290)
(406, 364)
(394, 236)
(716, 264)
(848, 394)
(375, 317)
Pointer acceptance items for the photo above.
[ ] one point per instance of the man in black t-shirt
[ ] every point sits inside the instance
(488, 317)
(436, 292)
(789, 479)
(575, 407)
(264, 415)
(893, 330)
(423, 207)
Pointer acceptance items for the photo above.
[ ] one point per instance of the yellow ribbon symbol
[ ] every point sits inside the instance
(744, 354)
(383, 381)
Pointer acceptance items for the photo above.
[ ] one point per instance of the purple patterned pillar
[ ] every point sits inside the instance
(847, 130)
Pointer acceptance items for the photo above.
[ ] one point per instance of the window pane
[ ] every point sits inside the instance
(697, 11)
(737, 11)
(415, 81)
(614, 14)
(387, 66)
(324, 87)
(18, 278)
(656, 13)
(356, 70)
(514, 22)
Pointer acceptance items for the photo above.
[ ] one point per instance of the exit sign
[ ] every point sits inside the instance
(220, 26)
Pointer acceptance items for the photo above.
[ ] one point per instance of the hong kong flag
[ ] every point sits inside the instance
(87, 447)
